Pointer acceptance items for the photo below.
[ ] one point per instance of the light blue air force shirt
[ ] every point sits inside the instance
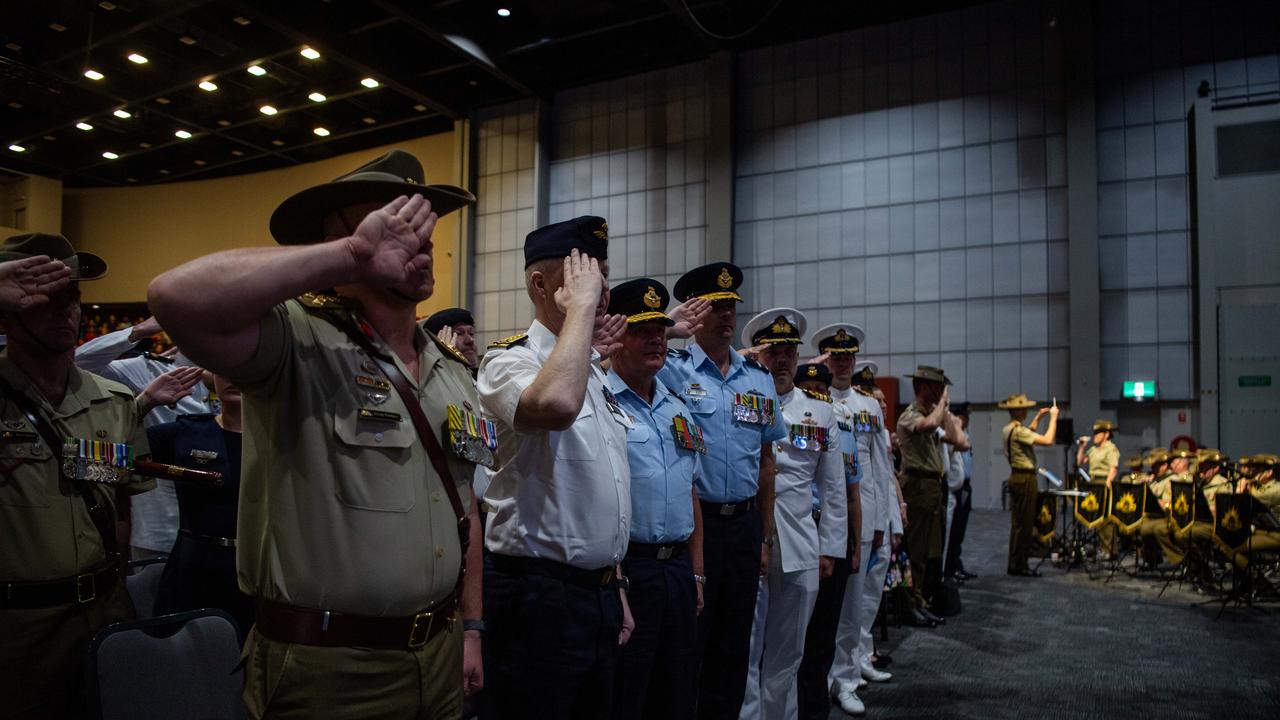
(662, 472)
(731, 467)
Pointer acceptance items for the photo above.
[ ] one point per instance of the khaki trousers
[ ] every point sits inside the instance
(923, 536)
(1022, 520)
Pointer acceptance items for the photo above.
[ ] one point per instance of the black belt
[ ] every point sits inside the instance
(513, 565)
(726, 510)
(1021, 471)
(648, 551)
(307, 626)
(211, 539)
(78, 590)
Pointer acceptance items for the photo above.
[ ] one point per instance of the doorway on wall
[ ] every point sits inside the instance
(1248, 370)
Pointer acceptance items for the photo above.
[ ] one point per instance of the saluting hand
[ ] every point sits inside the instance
(448, 337)
(607, 338)
(169, 388)
(583, 284)
(30, 281)
(393, 244)
(689, 317)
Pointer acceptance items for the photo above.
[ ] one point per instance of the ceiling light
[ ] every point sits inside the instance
(277, 143)
(84, 126)
(267, 110)
(310, 53)
(122, 114)
(322, 132)
(137, 59)
(187, 40)
(256, 70)
(207, 86)
(503, 12)
(224, 123)
(370, 83)
(93, 74)
(420, 107)
(200, 162)
(57, 27)
(13, 46)
(131, 179)
(17, 148)
(108, 6)
(163, 171)
(241, 20)
(144, 145)
(316, 97)
(183, 134)
(162, 100)
(110, 155)
(237, 153)
(15, 104)
(50, 138)
(368, 120)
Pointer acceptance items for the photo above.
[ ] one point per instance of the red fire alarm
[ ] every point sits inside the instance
(1182, 416)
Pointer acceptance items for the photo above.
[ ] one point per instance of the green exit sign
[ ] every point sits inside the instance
(1254, 380)
(1140, 389)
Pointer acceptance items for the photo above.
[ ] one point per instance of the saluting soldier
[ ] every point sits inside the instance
(455, 327)
(561, 496)
(1019, 450)
(1103, 463)
(355, 513)
(734, 403)
(808, 543)
(657, 672)
(70, 439)
(922, 429)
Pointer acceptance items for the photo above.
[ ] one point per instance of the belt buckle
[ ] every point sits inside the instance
(86, 588)
(606, 577)
(666, 551)
(420, 629)
(728, 508)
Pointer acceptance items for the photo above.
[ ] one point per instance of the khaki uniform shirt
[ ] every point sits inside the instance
(1162, 490)
(1101, 459)
(339, 510)
(1268, 494)
(48, 532)
(1216, 484)
(1019, 446)
(921, 451)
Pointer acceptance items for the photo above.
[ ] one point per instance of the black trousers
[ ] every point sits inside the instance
(813, 693)
(731, 556)
(959, 523)
(657, 669)
(552, 644)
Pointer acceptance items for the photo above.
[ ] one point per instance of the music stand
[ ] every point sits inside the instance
(1238, 515)
(1188, 506)
(1128, 501)
(1092, 510)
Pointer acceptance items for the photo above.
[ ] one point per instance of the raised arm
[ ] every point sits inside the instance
(211, 306)
(1052, 431)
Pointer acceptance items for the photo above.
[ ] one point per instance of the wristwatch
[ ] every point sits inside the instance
(768, 541)
(624, 583)
(477, 625)
(700, 579)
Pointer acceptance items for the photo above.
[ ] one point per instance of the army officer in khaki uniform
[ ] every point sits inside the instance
(1019, 449)
(1103, 463)
(63, 514)
(349, 536)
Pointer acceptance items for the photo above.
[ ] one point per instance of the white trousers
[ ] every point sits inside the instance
(751, 698)
(844, 669)
(872, 590)
(783, 608)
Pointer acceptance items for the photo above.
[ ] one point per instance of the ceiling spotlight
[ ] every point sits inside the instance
(162, 100)
(268, 110)
(207, 86)
(137, 59)
(257, 70)
(322, 132)
(13, 46)
(187, 40)
(316, 97)
(368, 120)
(17, 148)
(122, 114)
(224, 123)
(57, 27)
(50, 138)
(183, 134)
(370, 83)
(200, 162)
(241, 20)
(238, 153)
(420, 107)
(310, 53)
(108, 6)
(15, 104)
(277, 143)
(163, 171)
(144, 145)
(503, 12)
(84, 126)
(93, 74)
(131, 179)
(110, 155)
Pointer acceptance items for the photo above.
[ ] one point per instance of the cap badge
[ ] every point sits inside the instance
(411, 181)
(602, 232)
(651, 298)
(841, 335)
(725, 280)
(781, 326)
(813, 371)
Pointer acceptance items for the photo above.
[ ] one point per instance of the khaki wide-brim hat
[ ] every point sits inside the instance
(299, 220)
(1103, 426)
(1016, 402)
(84, 265)
(930, 373)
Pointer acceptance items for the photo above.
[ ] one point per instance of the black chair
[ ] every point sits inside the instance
(143, 583)
(173, 667)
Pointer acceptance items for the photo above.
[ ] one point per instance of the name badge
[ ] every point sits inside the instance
(96, 460)
(383, 415)
(688, 435)
(752, 408)
(203, 457)
(695, 391)
(472, 438)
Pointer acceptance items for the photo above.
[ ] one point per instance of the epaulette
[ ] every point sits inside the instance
(158, 358)
(325, 301)
(863, 392)
(755, 364)
(677, 353)
(816, 395)
(450, 351)
(512, 341)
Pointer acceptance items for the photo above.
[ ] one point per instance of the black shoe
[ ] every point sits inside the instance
(935, 619)
(1024, 572)
(963, 575)
(917, 619)
(880, 661)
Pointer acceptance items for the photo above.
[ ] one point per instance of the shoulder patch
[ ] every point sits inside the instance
(510, 341)
(756, 364)
(677, 353)
(816, 395)
(450, 351)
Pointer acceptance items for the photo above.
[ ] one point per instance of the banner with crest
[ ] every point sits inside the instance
(1092, 509)
(1233, 524)
(1046, 516)
(1127, 505)
(1182, 507)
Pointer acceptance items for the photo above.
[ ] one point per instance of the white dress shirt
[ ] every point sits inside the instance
(879, 498)
(557, 495)
(800, 539)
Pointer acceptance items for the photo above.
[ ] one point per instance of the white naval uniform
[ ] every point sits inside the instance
(880, 512)
(557, 495)
(955, 481)
(792, 587)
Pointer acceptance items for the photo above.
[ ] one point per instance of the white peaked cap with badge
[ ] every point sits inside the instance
(838, 338)
(781, 325)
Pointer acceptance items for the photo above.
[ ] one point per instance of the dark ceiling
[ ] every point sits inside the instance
(425, 80)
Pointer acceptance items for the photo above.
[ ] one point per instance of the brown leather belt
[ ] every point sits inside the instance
(78, 590)
(308, 626)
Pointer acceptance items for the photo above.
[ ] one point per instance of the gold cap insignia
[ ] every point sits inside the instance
(725, 280)
(781, 326)
(651, 298)
(813, 371)
(411, 181)
(866, 374)
(841, 335)
(603, 232)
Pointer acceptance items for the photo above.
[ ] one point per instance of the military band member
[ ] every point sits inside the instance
(353, 525)
(734, 403)
(70, 438)
(455, 327)
(1263, 485)
(657, 671)
(561, 495)
(1102, 459)
(923, 469)
(1179, 470)
(1019, 450)
(1155, 519)
(808, 543)
(1211, 479)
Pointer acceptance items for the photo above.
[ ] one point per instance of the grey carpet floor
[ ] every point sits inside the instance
(1066, 646)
